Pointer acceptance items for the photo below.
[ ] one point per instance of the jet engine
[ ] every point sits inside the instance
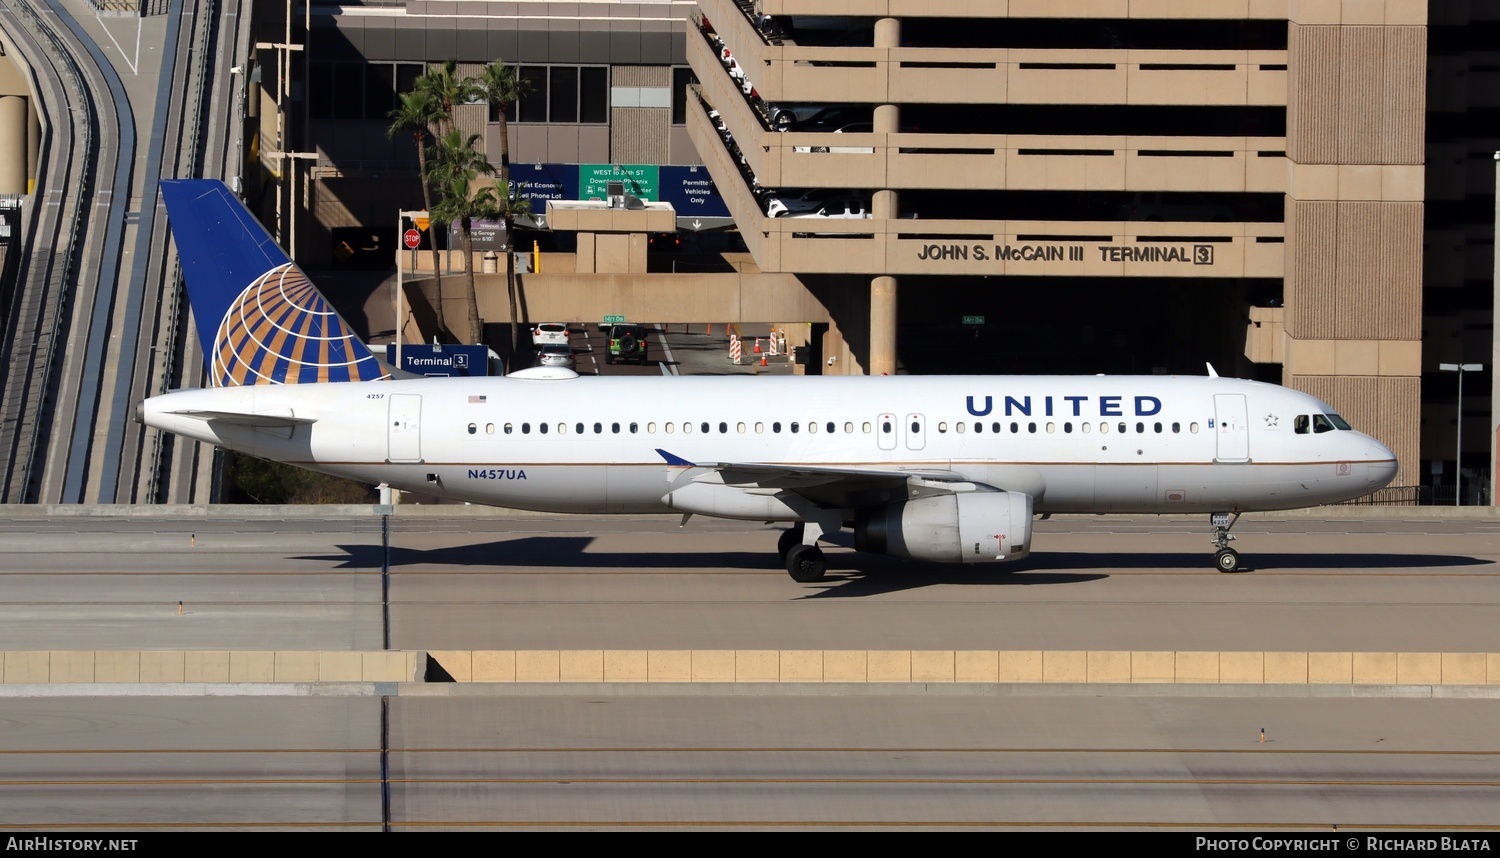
(974, 527)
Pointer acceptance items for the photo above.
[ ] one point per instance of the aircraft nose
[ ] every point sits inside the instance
(1382, 464)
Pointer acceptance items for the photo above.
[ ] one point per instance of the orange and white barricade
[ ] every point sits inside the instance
(772, 342)
(734, 348)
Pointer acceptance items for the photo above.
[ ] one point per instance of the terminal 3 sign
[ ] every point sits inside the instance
(1016, 256)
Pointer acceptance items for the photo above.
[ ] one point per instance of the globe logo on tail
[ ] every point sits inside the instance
(281, 330)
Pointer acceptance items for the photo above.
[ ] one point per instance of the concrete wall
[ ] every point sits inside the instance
(773, 666)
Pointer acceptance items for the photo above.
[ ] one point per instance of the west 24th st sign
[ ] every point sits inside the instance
(1194, 254)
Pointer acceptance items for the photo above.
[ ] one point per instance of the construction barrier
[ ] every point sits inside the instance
(771, 341)
(734, 349)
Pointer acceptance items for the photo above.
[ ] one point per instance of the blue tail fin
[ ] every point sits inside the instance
(259, 317)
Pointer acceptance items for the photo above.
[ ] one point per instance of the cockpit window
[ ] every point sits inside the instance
(1339, 422)
(1322, 424)
(1301, 423)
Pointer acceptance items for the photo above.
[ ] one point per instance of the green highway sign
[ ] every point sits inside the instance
(973, 320)
(614, 320)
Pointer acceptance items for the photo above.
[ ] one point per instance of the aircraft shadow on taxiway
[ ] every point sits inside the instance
(1042, 567)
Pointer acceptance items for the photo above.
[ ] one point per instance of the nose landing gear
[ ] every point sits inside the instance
(1225, 558)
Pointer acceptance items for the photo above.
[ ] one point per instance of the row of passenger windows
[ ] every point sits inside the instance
(830, 427)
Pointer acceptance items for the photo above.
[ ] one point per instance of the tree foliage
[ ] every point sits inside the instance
(252, 480)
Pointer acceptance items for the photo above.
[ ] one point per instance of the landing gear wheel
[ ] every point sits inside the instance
(789, 538)
(805, 563)
(1228, 560)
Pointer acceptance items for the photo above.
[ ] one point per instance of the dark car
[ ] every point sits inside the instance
(627, 343)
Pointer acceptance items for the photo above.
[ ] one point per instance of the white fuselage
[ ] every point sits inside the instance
(1094, 444)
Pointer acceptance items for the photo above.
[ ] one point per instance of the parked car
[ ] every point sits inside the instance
(553, 354)
(627, 343)
(852, 208)
(790, 201)
(833, 118)
(549, 332)
(784, 117)
(852, 128)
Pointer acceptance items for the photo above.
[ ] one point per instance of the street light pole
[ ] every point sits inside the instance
(1458, 453)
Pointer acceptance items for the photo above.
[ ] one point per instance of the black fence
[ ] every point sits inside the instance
(1402, 496)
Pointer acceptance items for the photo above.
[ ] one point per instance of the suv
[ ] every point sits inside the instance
(627, 342)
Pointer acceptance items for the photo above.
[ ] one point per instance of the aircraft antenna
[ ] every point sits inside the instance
(1211, 373)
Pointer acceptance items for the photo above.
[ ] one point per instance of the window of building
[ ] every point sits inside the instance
(559, 94)
(682, 80)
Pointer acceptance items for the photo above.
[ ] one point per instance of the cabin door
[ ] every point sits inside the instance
(405, 426)
(1231, 427)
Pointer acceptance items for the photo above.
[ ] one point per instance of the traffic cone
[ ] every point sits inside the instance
(757, 345)
(762, 359)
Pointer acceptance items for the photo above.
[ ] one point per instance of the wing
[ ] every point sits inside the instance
(828, 487)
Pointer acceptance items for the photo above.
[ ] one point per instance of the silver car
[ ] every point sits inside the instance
(555, 355)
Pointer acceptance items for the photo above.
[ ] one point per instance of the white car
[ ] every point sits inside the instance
(790, 201)
(850, 208)
(549, 333)
(855, 128)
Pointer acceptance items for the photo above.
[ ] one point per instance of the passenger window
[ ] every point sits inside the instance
(740, 428)
(1193, 427)
(760, 428)
(995, 427)
(812, 426)
(507, 428)
(794, 427)
(562, 428)
(960, 428)
(978, 427)
(831, 427)
(915, 427)
(634, 428)
(687, 428)
(669, 427)
(704, 427)
(615, 428)
(489, 428)
(1015, 428)
(1051, 427)
(1299, 424)
(542, 428)
(1086, 427)
(1103, 428)
(525, 428)
(723, 428)
(1140, 428)
(473, 428)
(578, 427)
(942, 427)
(867, 427)
(598, 428)
(1031, 427)
(1176, 428)
(1067, 428)
(776, 427)
(651, 428)
(885, 427)
(1124, 428)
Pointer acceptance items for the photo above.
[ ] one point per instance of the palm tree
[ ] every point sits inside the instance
(501, 85)
(418, 111)
(456, 165)
(443, 84)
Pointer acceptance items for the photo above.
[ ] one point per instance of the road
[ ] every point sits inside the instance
(477, 756)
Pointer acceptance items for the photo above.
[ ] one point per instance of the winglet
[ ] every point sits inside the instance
(1211, 373)
(260, 319)
(674, 460)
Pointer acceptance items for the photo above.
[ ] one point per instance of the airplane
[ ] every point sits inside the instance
(948, 469)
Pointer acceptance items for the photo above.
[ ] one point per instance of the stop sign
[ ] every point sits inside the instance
(412, 238)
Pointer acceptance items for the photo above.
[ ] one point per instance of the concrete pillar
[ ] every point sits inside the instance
(883, 326)
(885, 205)
(13, 148)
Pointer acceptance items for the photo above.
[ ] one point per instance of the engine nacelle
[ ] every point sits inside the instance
(978, 527)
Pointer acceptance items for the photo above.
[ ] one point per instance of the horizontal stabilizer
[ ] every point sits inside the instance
(238, 418)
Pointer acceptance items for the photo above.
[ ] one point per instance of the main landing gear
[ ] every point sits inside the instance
(803, 562)
(1225, 558)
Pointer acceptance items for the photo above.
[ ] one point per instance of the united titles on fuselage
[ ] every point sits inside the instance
(1066, 406)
